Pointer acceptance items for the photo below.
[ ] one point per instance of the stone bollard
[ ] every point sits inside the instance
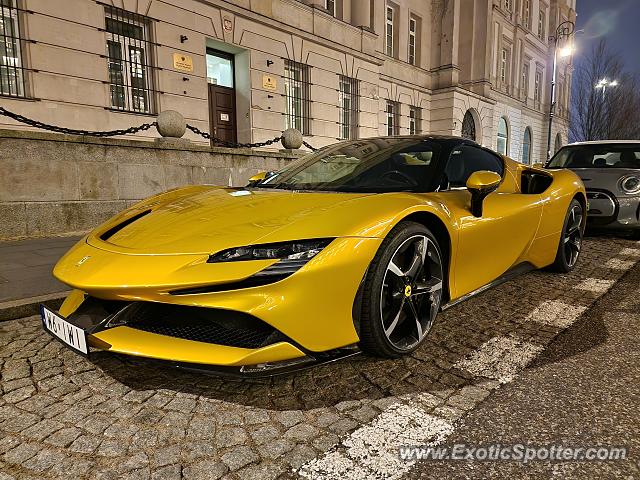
(291, 139)
(172, 126)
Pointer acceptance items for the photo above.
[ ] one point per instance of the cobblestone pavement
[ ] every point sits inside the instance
(63, 416)
(581, 392)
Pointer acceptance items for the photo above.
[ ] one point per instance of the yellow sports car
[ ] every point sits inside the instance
(356, 246)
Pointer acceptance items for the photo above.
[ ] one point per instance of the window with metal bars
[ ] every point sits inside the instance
(12, 72)
(296, 92)
(393, 114)
(129, 54)
(349, 107)
(415, 118)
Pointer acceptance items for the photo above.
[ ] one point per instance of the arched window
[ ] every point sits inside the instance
(503, 136)
(469, 126)
(558, 144)
(526, 146)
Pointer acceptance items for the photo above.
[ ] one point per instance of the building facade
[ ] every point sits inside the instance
(334, 69)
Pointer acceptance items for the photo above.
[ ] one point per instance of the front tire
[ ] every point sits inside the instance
(402, 292)
(570, 240)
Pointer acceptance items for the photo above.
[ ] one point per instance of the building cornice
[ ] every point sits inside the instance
(270, 22)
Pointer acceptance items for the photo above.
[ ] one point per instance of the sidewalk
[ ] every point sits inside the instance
(25, 275)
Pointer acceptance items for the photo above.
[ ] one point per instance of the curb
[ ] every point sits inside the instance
(26, 307)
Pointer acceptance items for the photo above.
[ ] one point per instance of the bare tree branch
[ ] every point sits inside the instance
(612, 115)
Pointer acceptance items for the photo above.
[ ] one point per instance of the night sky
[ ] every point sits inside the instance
(618, 21)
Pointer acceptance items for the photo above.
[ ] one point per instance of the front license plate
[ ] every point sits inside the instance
(72, 336)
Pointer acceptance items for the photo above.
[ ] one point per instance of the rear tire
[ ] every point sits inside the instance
(402, 291)
(570, 240)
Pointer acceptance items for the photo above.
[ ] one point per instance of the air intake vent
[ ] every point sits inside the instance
(113, 230)
(209, 325)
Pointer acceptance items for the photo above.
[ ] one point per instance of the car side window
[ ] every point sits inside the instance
(465, 160)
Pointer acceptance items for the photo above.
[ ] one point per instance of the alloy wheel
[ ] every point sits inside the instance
(573, 235)
(411, 292)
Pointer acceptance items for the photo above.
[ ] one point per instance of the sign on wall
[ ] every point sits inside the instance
(269, 83)
(182, 62)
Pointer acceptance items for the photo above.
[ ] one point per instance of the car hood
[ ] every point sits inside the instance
(605, 178)
(210, 219)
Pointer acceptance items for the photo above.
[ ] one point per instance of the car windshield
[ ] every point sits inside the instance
(372, 165)
(614, 155)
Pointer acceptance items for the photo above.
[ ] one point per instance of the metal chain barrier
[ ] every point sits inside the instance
(228, 144)
(145, 126)
(306, 144)
(72, 131)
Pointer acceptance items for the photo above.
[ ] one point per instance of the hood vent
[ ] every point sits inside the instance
(113, 230)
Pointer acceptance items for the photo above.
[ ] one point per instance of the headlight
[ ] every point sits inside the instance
(630, 184)
(302, 250)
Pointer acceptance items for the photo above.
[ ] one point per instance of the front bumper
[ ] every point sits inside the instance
(612, 212)
(312, 310)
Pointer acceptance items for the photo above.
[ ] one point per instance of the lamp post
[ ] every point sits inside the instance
(603, 84)
(564, 30)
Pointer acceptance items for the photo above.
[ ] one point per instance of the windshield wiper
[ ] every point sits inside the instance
(281, 186)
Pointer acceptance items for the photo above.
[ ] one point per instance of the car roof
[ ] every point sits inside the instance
(449, 139)
(602, 142)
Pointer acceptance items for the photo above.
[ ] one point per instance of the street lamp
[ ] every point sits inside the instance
(564, 30)
(603, 84)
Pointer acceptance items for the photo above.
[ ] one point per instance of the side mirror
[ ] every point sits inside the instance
(481, 184)
(259, 177)
(538, 165)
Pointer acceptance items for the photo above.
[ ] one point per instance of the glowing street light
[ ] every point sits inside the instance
(566, 51)
(564, 31)
(603, 84)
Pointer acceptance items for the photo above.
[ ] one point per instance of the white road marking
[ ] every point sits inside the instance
(372, 451)
(618, 264)
(631, 252)
(500, 358)
(556, 313)
(596, 285)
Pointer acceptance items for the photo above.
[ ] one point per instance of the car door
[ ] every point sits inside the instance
(490, 245)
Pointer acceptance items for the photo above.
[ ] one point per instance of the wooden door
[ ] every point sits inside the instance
(222, 112)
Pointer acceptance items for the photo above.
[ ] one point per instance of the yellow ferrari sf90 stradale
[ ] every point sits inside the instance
(356, 246)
